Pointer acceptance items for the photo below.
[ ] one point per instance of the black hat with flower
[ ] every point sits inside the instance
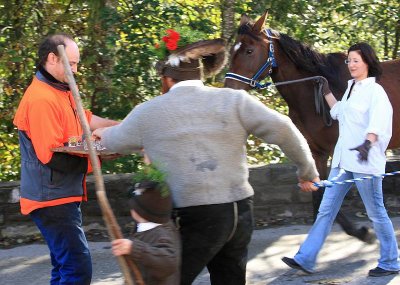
(183, 57)
(150, 196)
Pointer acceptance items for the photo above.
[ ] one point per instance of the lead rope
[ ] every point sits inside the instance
(327, 183)
(113, 228)
(320, 106)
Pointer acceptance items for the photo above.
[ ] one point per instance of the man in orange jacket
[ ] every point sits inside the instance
(53, 184)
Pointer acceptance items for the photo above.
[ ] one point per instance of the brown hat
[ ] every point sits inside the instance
(198, 60)
(151, 202)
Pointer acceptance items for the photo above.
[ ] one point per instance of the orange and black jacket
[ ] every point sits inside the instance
(46, 117)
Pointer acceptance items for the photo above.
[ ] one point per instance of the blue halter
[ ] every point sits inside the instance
(271, 62)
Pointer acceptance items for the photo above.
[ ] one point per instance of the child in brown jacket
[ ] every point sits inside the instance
(155, 246)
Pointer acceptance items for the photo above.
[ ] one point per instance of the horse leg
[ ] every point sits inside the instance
(364, 233)
(316, 201)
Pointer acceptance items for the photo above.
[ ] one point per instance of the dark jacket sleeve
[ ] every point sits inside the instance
(158, 251)
(65, 162)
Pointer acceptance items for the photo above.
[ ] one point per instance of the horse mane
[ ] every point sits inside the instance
(303, 56)
(306, 58)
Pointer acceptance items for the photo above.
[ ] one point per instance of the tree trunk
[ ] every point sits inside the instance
(98, 53)
(228, 20)
(396, 41)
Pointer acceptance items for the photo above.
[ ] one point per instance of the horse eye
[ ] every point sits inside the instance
(249, 51)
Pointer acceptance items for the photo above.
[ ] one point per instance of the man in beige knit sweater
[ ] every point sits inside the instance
(197, 135)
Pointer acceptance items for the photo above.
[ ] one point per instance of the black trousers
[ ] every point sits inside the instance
(216, 236)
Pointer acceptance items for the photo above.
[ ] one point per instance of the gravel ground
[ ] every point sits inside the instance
(343, 259)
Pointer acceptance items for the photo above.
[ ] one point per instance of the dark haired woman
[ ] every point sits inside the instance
(365, 129)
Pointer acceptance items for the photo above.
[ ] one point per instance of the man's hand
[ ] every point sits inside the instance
(98, 133)
(308, 186)
(121, 246)
(363, 150)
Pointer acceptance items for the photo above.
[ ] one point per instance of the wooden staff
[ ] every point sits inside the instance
(113, 228)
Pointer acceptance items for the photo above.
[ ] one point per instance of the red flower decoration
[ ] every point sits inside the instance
(171, 41)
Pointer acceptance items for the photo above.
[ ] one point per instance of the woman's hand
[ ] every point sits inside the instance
(363, 150)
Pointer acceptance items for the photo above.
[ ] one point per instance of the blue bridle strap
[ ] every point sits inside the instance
(271, 62)
(251, 82)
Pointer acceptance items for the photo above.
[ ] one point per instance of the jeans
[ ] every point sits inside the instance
(371, 194)
(216, 236)
(61, 227)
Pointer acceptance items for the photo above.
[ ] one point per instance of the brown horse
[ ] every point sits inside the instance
(259, 53)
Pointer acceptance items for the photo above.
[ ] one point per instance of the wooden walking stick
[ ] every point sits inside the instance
(113, 228)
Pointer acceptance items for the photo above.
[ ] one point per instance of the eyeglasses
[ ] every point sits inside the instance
(348, 61)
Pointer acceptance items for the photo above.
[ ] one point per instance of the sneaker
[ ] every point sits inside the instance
(293, 264)
(378, 272)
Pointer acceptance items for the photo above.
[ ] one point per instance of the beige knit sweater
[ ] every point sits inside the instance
(198, 134)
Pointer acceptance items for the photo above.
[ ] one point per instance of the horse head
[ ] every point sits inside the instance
(252, 57)
(299, 72)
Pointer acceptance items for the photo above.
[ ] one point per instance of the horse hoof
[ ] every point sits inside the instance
(366, 235)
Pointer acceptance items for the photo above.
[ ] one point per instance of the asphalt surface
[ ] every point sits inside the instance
(343, 260)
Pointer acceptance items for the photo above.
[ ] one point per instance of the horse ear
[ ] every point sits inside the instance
(244, 20)
(260, 23)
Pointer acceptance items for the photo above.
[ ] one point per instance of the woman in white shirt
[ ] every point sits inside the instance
(365, 129)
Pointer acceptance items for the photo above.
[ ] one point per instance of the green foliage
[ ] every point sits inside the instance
(19, 27)
(9, 153)
(125, 164)
(334, 25)
(151, 173)
(117, 37)
(259, 152)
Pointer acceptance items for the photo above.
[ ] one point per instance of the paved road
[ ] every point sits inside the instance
(343, 260)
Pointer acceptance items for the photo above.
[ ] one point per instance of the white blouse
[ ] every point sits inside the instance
(367, 110)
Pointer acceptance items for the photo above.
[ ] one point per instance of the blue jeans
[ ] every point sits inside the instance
(61, 227)
(371, 194)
